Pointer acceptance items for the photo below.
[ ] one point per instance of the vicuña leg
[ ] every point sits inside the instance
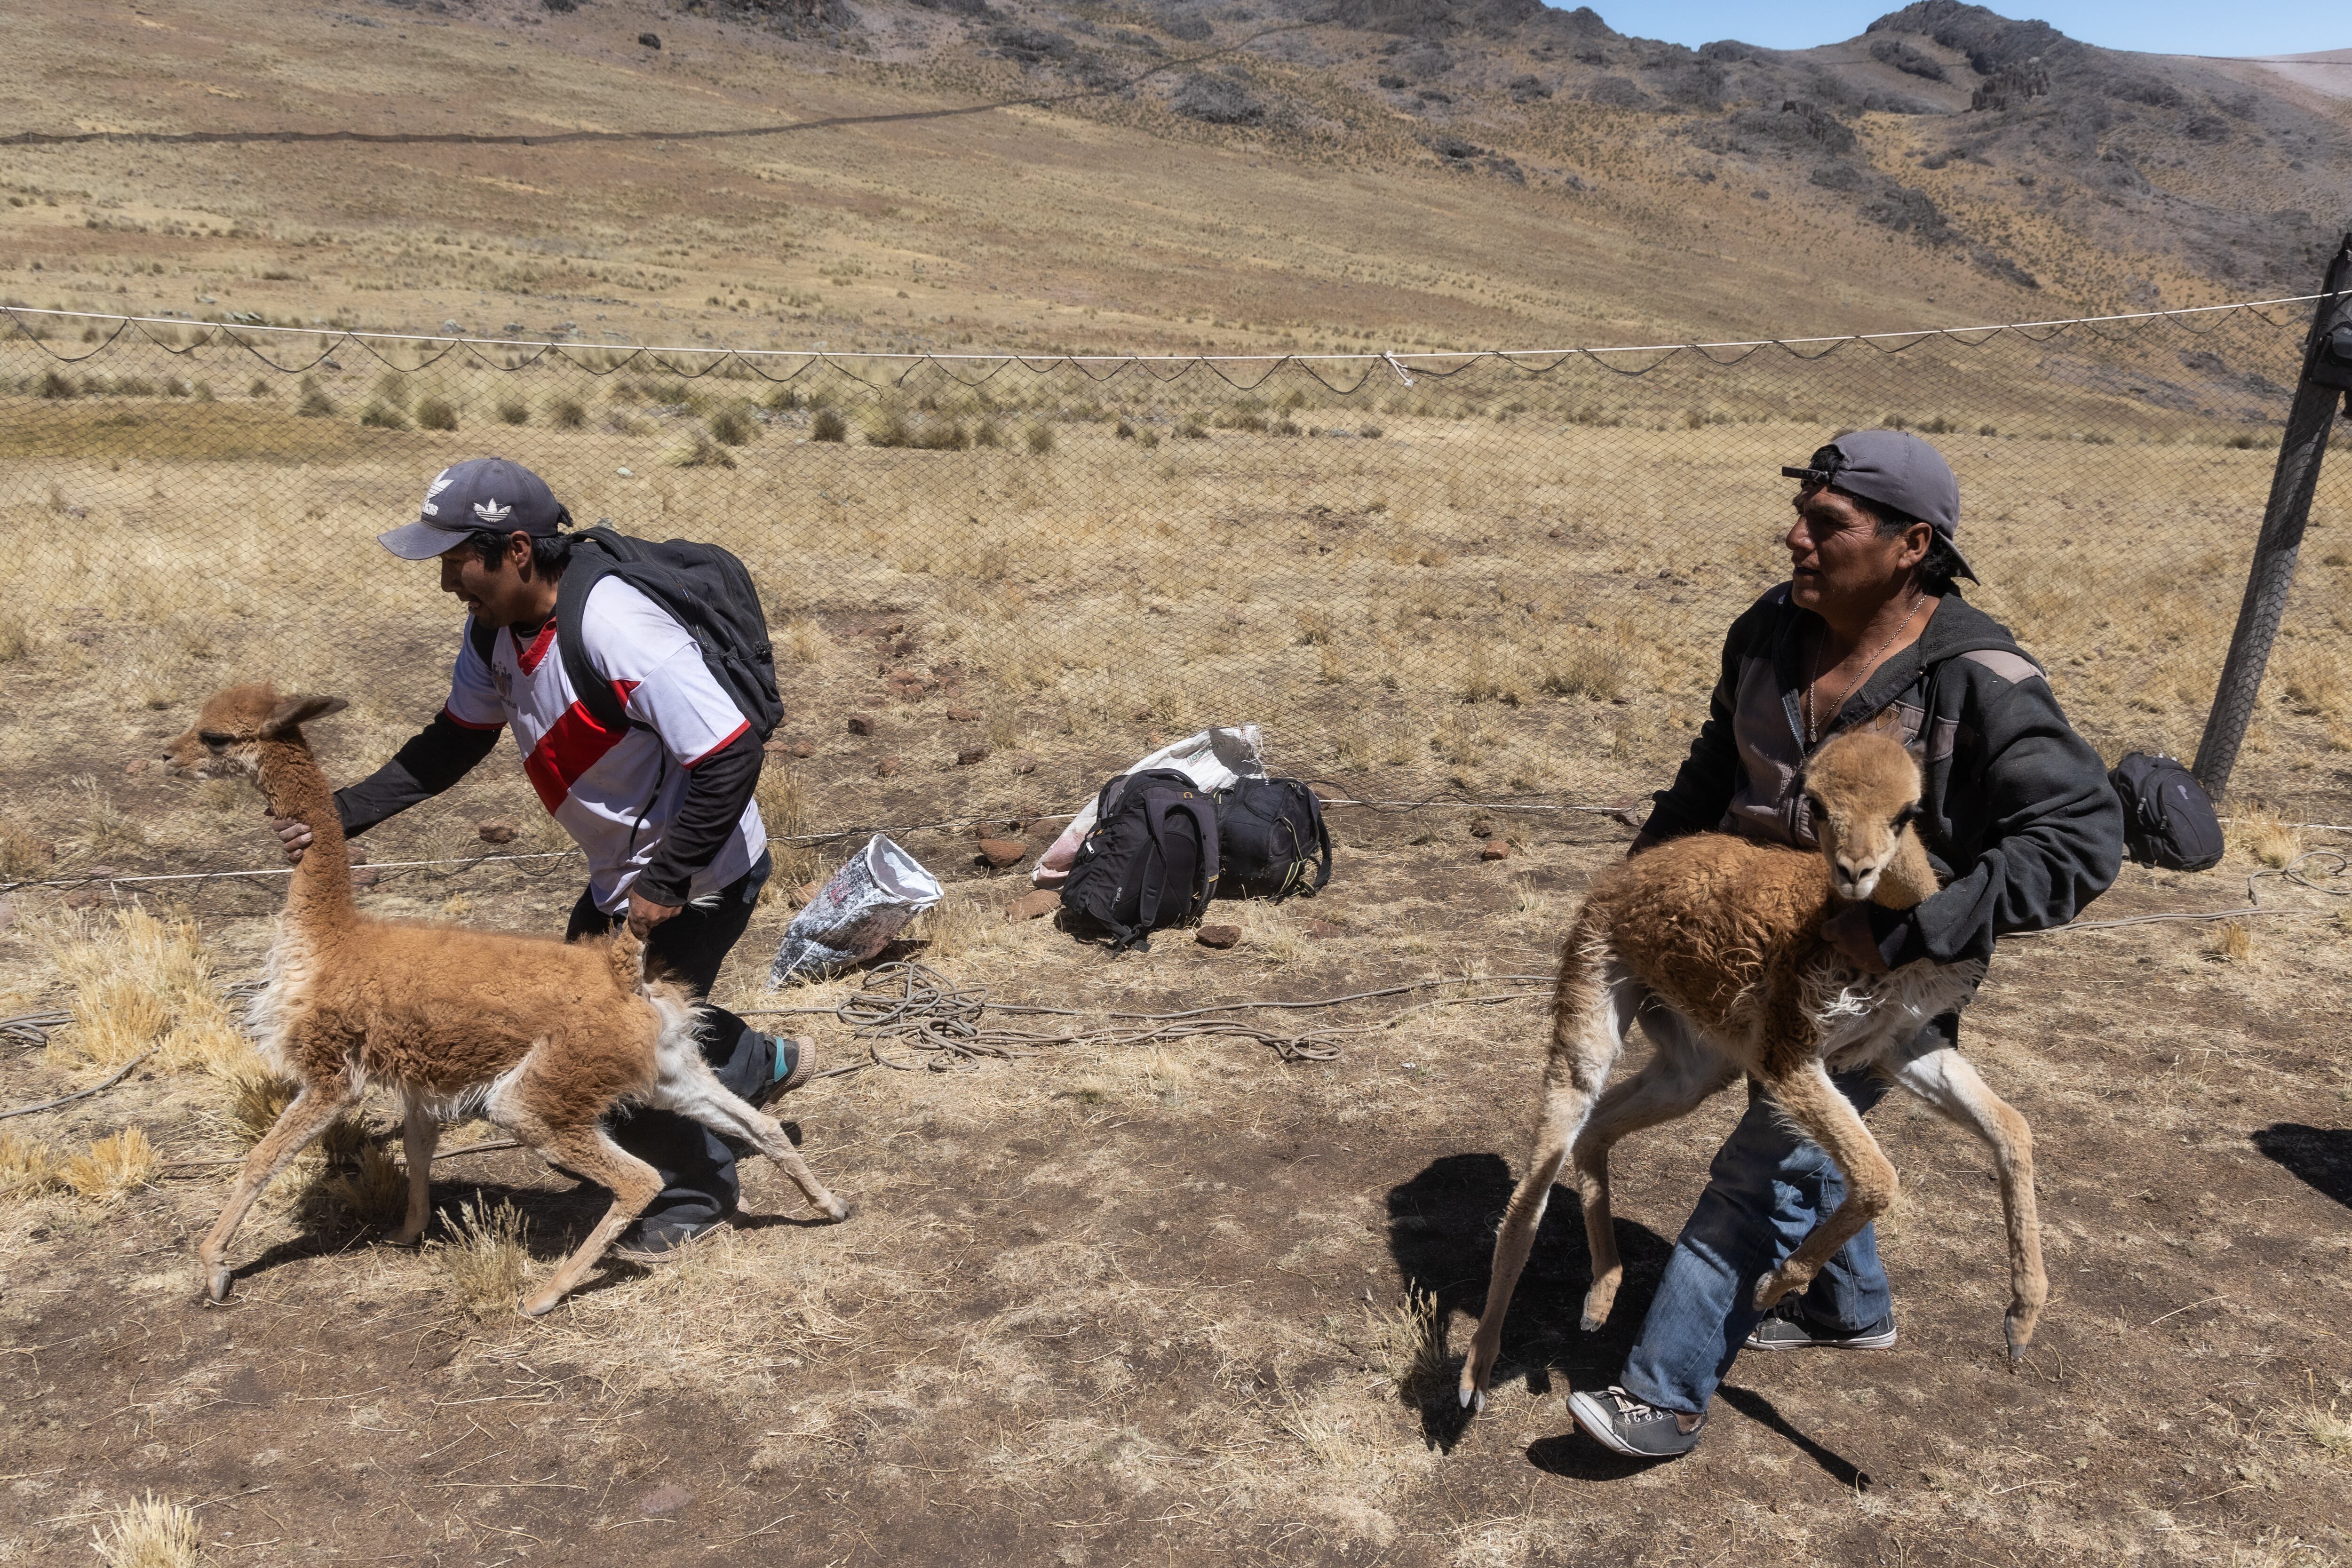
(689, 1086)
(420, 1134)
(1947, 1081)
(1830, 1120)
(633, 1184)
(1681, 1074)
(1590, 1016)
(313, 1108)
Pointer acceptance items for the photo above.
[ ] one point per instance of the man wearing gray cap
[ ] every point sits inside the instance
(1869, 632)
(657, 796)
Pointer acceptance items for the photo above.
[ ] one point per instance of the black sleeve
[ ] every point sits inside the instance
(437, 757)
(1709, 777)
(717, 789)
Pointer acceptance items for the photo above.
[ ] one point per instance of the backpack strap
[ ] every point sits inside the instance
(1322, 842)
(586, 568)
(1153, 891)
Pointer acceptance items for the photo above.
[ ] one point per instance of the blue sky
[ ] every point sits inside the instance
(2161, 26)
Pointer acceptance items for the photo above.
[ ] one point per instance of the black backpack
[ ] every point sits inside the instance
(1150, 861)
(2168, 818)
(704, 588)
(1271, 841)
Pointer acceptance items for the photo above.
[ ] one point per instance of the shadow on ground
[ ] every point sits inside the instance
(1442, 1236)
(2322, 1156)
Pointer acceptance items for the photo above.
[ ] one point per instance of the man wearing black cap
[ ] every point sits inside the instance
(661, 806)
(1869, 631)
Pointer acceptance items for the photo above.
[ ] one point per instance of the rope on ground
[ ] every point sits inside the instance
(910, 1006)
(33, 1029)
(2332, 863)
(120, 1074)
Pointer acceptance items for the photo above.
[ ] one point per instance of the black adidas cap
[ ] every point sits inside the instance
(467, 498)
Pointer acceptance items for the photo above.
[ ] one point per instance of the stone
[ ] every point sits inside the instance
(365, 875)
(862, 723)
(972, 755)
(1323, 930)
(1003, 852)
(135, 767)
(1218, 937)
(906, 685)
(887, 768)
(1494, 850)
(963, 715)
(497, 832)
(84, 898)
(1631, 812)
(1021, 761)
(1482, 828)
(667, 1497)
(802, 748)
(1031, 906)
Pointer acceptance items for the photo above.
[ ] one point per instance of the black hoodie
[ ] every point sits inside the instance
(2017, 813)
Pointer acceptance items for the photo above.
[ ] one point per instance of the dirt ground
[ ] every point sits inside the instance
(1158, 1305)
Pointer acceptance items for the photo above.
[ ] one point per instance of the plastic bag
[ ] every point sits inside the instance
(1212, 760)
(859, 911)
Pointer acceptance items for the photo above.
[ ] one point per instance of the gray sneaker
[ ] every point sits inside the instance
(795, 1065)
(1788, 1328)
(1620, 1422)
(659, 1239)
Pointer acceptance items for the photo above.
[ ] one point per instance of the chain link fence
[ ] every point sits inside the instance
(1501, 578)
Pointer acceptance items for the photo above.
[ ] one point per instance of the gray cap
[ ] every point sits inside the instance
(1897, 470)
(466, 498)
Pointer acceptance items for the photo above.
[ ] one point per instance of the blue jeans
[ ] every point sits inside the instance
(1767, 1190)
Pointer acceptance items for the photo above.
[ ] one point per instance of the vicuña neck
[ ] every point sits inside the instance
(293, 785)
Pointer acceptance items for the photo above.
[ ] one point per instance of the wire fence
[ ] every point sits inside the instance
(1495, 576)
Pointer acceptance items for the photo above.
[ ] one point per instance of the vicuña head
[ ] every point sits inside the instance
(225, 740)
(1864, 791)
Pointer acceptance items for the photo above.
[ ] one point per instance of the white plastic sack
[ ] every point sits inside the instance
(859, 911)
(1212, 760)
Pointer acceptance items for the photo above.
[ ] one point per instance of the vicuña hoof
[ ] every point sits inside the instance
(1598, 1300)
(2018, 1327)
(539, 1306)
(216, 1284)
(1777, 1284)
(835, 1209)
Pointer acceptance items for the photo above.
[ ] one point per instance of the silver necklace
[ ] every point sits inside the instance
(1813, 734)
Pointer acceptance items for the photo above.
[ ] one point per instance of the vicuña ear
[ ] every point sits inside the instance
(292, 713)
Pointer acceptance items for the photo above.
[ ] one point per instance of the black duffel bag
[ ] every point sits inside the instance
(1271, 841)
(2168, 819)
(1150, 862)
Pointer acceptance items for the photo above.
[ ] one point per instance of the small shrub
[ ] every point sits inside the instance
(202, 392)
(1124, 431)
(988, 435)
(1987, 430)
(262, 387)
(392, 389)
(1148, 438)
(568, 415)
(148, 1533)
(828, 426)
(1586, 670)
(1370, 432)
(484, 1260)
(26, 1166)
(54, 385)
(112, 1166)
(942, 436)
(316, 404)
(514, 411)
(702, 452)
(890, 430)
(2244, 441)
(436, 414)
(785, 399)
(1191, 430)
(383, 416)
(730, 426)
(2230, 942)
(1039, 439)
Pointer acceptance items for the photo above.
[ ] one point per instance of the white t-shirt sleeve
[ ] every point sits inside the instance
(473, 695)
(657, 671)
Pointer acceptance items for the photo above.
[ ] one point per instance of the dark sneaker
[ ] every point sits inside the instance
(1619, 1421)
(795, 1065)
(1788, 1328)
(658, 1240)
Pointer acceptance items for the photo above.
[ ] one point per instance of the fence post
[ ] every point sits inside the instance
(2273, 572)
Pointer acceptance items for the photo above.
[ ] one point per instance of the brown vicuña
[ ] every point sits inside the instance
(544, 1037)
(1714, 942)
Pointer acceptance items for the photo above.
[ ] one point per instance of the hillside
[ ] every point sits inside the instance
(1168, 174)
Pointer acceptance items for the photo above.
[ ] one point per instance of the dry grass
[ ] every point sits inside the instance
(2231, 942)
(112, 1167)
(148, 1533)
(142, 981)
(1410, 1338)
(2266, 837)
(257, 1099)
(28, 1166)
(485, 1260)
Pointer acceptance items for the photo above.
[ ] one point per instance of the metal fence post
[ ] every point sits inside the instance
(2273, 572)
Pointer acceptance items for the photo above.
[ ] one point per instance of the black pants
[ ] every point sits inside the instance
(698, 1168)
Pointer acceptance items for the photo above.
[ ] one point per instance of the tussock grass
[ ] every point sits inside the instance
(148, 1533)
(140, 982)
(485, 1260)
(828, 426)
(2230, 942)
(28, 1166)
(436, 414)
(373, 1192)
(257, 1099)
(2266, 837)
(111, 1167)
(1409, 1341)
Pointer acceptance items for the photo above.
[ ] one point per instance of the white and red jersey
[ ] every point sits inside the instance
(601, 784)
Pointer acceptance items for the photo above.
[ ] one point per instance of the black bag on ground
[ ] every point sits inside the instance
(2168, 818)
(1271, 841)
(1150, 861)
(702, 587)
